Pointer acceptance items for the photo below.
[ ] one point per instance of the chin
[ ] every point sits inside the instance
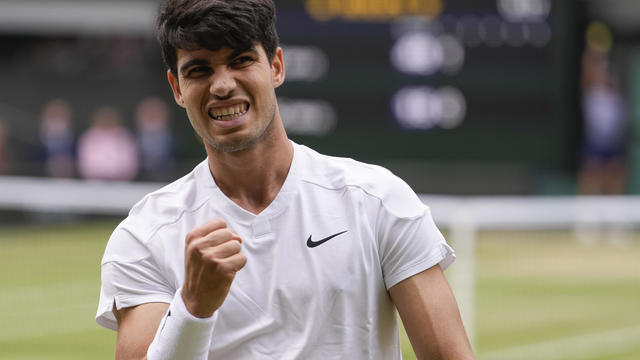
(232, 146)
(239, 141)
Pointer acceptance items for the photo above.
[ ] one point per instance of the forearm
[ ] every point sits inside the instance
(431, 317)
(181, 336)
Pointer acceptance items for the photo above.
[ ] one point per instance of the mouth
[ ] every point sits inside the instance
(228, 113)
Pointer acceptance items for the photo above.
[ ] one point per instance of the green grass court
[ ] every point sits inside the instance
(540, 295)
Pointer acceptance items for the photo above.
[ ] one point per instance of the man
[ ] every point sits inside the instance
(269, 250)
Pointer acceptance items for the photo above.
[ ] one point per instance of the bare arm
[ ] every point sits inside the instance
(136, 328)
(430, 315)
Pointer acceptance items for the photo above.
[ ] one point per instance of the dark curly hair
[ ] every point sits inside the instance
(213, 24)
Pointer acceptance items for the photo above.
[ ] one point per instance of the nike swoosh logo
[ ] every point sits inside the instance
(313, 244)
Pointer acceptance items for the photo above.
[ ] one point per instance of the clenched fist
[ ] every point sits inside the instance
(212, 258)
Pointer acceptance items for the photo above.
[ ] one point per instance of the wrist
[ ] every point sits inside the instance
(181, 335)
(195, 308)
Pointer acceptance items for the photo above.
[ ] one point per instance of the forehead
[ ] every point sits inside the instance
(221, 55)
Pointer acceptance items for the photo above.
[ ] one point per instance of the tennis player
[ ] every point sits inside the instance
(267, 249)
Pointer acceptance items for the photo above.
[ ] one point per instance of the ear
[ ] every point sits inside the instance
(277, 68)
(175, 87)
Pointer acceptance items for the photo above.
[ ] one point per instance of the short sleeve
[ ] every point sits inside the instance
(130, 276)
(409, 245)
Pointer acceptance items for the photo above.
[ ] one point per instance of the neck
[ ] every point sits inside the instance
(253, 177)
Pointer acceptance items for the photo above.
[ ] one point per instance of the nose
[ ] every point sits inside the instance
(223, 84)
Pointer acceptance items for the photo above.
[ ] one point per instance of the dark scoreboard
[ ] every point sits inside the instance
(482, 81)
(409, 84)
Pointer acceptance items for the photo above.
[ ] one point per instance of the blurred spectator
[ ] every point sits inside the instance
(4, 157)
(603, 168)
(107, 150)
(57, 138)
(155, 140)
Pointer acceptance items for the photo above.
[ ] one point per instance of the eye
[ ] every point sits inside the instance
(198, 71)
(242, 61)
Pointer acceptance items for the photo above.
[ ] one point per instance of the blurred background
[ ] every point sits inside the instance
(518, 122)
(457, 97)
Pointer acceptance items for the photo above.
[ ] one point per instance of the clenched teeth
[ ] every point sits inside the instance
(228, 112)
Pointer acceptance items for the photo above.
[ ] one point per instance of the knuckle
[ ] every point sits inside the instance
(226, 233)
(191, 235)
(192, 249)
(243, 261)
(201, 252)
(220, 223)
(235, 246)
(223, 269)
(212, 259)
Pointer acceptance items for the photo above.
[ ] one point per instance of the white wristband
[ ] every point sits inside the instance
(182, 335)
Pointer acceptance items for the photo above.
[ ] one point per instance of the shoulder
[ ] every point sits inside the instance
(170, 202)
(160, 208)
(376, 182)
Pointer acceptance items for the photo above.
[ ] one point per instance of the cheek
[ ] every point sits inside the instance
(263, 89)
(195, 119)
(193, 93)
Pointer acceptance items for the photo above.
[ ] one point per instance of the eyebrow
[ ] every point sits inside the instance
(235, 53)
(200, 62)
(192, 62)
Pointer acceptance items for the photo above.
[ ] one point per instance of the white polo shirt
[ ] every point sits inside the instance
(320, 259)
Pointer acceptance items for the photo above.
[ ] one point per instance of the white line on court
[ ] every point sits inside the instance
(577, 347)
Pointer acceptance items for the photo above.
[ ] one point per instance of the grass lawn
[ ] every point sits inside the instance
(540, 295)
(50, 280)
